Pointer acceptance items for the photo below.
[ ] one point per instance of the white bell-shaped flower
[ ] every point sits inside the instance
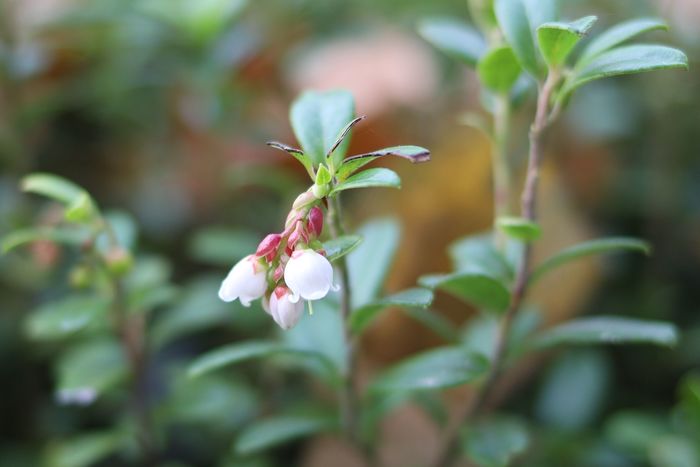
(285, 312)
(246, 281)
(308, 275)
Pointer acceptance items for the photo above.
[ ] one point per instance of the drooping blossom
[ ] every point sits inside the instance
(285, 312)
(309, 275)
(246, 281)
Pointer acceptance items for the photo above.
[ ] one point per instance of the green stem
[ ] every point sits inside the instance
(349, 407)
(542, 120)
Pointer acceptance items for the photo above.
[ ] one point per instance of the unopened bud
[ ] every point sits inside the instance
(268, 245)
(303, 200)
(119, 261)
(316, 221)
(321, 191)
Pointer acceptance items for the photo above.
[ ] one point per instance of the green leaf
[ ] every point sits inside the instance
(541, 11)
(275, 431)
(619, 34)
(342, 135)
(519, 228)
(625, 60)
(499, 69)
(609, 330)
(369, 264)
(68, 316)
(635, 431)
(323, 176)
(674, 451)
(87, 370)
(454, 38)
(497, 441)
(317, 119)
(242, 351)
(437, 323)
(81, 209)
(411, 298)
(473, 286)
(298, 154)
(414, 154)
(341, 246)
(574, 390)
(82, 450)
(54, 187)
(440, 368)
(379, 177)
(557, 40)
(514, 22)
(477, 252)
(593, 247)
(53, 234)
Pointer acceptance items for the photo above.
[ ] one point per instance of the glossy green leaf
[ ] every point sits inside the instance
(379, 177)
(68, 316)
(341, 246)
(411, 298)
(88, 369)
(54, 234)
(439, 368)
(499, 69)
(52, 186)
(519, 228)
(82, 450)
(242, 351)
(298, 154)
(473, 286)
(609, 330)
(593, 247)
(557, 40)
(272, 432)
(625, 60)
(318, 118)
(495, 442)
(513, 19)
(454, 38)
(369, 263)
(619, 34)
(413, 154)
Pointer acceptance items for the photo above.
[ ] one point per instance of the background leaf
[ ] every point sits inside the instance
(519, 228)
(475, 287)
(317, 119)
(54, 187)
(411, 298)
(619, 34)
(82, 450)
(274, 431)
(454, 38)
(341, 246)
(609, 330)
(496, 441)
(68, 316)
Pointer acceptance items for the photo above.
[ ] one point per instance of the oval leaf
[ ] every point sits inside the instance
(593, 247)
(454, 38)
(513, 19)
(379, 177)
(66, 317)
(519, 228)
(317, 120)
(619, 34)
(499, 69)
(53, 234)
(624, 61)
(341, 246)
(436, 369)
(272, 432)
(557, 40)
(414, 154)
(52, 186)
(609, 330)
(411, 298)
(475, 287)
(496, 441)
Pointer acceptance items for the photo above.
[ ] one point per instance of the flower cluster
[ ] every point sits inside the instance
(287, 268)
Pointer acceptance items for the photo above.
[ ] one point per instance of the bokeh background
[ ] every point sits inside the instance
(161, 108)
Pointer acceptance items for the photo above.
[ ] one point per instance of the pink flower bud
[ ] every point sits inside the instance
(299, 234)
(268, 245)
(279, 272)
(316, 221)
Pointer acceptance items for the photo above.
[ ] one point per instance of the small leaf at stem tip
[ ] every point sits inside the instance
(609, 330)
(343, 133)
(556, 40)
(499, 69)
(414, 154)
(519, 228)
(341, 246)
(379, 177)
(323, 176)
(453, 38)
